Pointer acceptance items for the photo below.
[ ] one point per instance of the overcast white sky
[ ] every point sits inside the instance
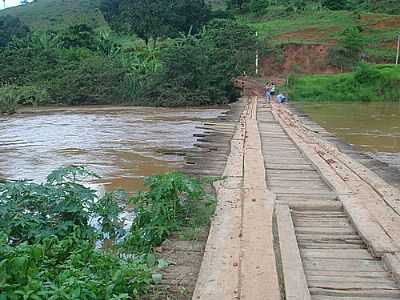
(9, 3)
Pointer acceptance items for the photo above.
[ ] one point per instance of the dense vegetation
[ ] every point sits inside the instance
(49, 233)
(366, 83)
(171, 52)
(79, 64)
(254, 6)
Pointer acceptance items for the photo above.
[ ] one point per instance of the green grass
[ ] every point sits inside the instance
(43, 15)
(367, 83)
(324, 27)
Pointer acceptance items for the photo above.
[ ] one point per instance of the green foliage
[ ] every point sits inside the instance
(8, 100)
(258, 7)
(367, 83)
(173, 201)
(11, 27)
(68, 269)
(348, 50)
(199, 70)
(45, 15)
(78, 36)
(48, 235)
(11, 96)
(232, 4)
(152, 19)
(335, 4)
(47, 242)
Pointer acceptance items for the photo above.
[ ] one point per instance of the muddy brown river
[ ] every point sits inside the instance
(373, 127)
(119, 144)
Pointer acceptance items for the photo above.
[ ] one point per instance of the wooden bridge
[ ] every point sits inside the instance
(296, 218)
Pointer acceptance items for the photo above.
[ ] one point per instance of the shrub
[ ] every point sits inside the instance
(258, 7)
(47, 242)
(347, 52)
(8, 99)
(335, 4)
(172, 202)
(12, 95)
(366, 74)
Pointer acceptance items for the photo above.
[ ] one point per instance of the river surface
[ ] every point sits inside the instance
(119, 144)
(373, 127)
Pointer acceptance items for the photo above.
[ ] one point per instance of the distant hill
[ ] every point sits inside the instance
(57, 14)
(323, 28)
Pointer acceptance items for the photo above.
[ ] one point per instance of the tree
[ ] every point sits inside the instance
(236, 3)
(335, 4)
(11, 27)
(258, 7)
(348, 49)
(78, 36)
(199, 70)
(152, 19)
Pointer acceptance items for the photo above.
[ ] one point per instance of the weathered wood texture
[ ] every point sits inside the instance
(335, 258)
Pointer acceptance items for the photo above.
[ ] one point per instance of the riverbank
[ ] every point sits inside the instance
(366, 83)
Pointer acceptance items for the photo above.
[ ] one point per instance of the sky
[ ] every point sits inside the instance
(9, 3)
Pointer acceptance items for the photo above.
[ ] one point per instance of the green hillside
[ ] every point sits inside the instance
(379, 31)
(58, 14)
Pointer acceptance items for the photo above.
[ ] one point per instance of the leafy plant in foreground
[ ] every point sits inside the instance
(173, 202)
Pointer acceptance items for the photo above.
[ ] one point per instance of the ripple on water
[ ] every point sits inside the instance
(120, 145)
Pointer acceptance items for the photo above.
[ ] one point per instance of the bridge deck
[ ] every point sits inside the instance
(297, 220)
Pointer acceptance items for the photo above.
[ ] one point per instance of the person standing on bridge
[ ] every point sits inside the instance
(273, 89)
(267, 92)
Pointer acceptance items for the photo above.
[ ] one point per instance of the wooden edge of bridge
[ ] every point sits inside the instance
(292, 267)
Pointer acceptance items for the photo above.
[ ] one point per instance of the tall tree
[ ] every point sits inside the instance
(152, 19)
(11, 27)
(236, 3)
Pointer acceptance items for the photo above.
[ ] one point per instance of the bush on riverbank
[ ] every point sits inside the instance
(366, 83)
(48, 235)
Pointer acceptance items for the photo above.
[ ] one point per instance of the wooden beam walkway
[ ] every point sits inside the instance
(297, 219)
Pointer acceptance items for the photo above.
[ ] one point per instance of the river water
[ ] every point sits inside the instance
(119, 144)
(373, 127)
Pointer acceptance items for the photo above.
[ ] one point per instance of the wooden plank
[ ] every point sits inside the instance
(392, 262)
(372, 293)
(326, 224)
(295, 281)
(322, 297)
(345, 285)
(335, 253)
(359, 265)
(324, 230)
(328, 237)
(313, 213)
(316, 204)
(326, 245)
(222, 253)
(381, 278)
(347, 274)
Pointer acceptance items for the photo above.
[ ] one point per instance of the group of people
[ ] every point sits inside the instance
(270, 91)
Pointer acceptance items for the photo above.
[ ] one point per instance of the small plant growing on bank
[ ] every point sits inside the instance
(173, 202)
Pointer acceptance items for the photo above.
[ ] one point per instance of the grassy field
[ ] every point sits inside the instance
(324, 27)
(367, 83)
(57, 14)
